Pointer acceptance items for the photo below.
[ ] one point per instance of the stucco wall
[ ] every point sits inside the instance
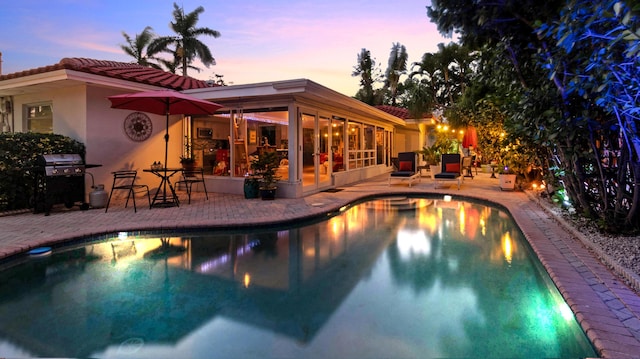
(84, 113)
(108, 144)
(68, 106)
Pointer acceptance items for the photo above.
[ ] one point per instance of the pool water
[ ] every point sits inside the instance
(388, 278)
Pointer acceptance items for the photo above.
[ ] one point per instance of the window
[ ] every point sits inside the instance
(39, 118)
(337, 147)
(234, 139)
(380, 145)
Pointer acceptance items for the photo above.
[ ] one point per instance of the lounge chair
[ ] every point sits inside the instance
(407, 169)
(450, 164)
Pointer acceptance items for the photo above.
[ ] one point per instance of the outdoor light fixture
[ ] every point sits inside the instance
(538, 186)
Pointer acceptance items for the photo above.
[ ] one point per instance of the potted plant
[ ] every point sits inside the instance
(431, 155)
(507, 178)
(264, 169)
(514, 161)
(251, 186)
(188, 162)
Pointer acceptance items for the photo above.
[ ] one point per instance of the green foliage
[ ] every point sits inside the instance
(596, 69)
(189, 159)
(370, 74)
(397, 67)
(138, 47)
(264, 168)
(516, 158)
(431, 154)
(189, 156)
(185, 43)
(565, 77)
(18, 152)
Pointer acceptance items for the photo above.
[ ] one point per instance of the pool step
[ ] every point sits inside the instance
(404, 203)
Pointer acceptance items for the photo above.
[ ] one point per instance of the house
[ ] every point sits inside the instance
(325, 139)
(415, 133)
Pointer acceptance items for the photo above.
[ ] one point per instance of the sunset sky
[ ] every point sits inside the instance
(261, 40)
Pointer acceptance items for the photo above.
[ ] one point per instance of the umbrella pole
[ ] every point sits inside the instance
(166, 152)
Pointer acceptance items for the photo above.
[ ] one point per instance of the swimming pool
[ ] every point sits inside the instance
(389, 278)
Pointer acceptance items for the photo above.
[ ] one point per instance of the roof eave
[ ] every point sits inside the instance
(111, 82)
(298, 88)
(64, 78)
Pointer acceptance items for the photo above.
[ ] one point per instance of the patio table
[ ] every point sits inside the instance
(493, 170)
(162, 198)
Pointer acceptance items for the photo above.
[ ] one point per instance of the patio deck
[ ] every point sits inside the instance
(607, 309)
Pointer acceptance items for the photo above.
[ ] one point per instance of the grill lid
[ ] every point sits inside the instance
(61, 164)
(61, 159)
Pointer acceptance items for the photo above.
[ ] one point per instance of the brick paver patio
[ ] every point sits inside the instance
(607, 309)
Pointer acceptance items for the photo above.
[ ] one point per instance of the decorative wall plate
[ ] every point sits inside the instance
(138, 126)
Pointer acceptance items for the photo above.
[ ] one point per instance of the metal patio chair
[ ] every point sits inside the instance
(191, 176)
(126, 181)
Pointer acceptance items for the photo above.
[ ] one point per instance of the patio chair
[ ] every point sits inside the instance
(407, 169)
(450, 164)
(467, 164)
(126, 181)
(191, 176)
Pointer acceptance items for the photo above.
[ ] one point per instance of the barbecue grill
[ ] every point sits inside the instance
(59, 179)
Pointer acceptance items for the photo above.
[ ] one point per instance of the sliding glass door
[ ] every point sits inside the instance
(316, 157)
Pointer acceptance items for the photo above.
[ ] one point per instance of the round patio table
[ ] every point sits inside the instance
(162, 198)
(493, 170)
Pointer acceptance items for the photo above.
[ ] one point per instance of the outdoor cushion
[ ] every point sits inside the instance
(405, 166)
(447, 175)
(452, 167)
(402, 174)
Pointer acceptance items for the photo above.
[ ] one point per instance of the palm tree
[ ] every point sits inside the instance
(397, 67)
(369, 74)
(429, 73)
(139, 48)
(187, 46)
(175, 62)
(454, 62)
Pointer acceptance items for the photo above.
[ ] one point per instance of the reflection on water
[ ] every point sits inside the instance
(396, 277)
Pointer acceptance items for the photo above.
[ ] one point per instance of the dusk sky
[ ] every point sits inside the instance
(261, 40)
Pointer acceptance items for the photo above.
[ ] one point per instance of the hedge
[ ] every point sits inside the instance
(18, 152)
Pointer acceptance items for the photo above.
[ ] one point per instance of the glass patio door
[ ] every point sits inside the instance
(316, 157)
(326, 158)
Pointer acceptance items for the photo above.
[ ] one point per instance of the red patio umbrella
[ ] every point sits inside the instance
(164, 102)
(470, 138)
